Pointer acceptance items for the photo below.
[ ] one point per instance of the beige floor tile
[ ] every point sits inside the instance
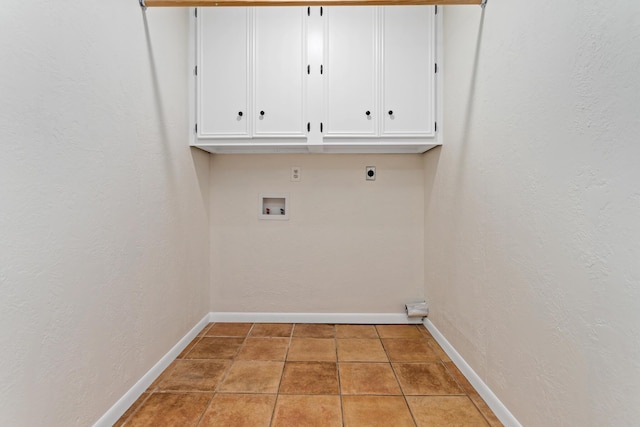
(239, 410)
(376, 411)
(215, 348)
(399, 331)
(361, 350)
(356, 331)
(303, 330)
(264, 349)
(249, 376)
(170, 409)
(229, 330)
(282, 330)
(312, 350)
(425, 379)
(368, 378)
(450, 411)
(309, 378)
(409, 350)
(195, 375)
(307, 411)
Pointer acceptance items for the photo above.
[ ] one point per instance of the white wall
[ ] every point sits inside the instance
(350, 246)
(103, 260)
(533, 205)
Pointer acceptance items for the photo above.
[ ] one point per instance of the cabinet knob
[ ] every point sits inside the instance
(262, 113)
(240, 113)
(391, 112)
(368, 113)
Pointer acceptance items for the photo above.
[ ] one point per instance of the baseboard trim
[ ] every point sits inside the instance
(121, 406)
(483, 389)
(347, 318)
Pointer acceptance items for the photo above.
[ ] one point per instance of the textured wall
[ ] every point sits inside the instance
(350, 246)
(533, 206)
(104, 254)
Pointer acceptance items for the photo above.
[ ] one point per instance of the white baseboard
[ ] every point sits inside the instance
(347, 318)
(485, 392)
(121, 406)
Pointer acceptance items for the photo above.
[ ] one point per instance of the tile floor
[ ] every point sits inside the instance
(254, 375)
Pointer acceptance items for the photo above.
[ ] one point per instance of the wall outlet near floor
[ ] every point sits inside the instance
(295, 173)
(370, 173)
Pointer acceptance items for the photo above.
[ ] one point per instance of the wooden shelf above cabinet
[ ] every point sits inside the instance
(219, 3)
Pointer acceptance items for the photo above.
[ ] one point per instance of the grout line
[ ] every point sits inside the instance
(273, 412)
(335, 342)
(404, 396)
(250, 329)
(480, 410)
(205, 329)
(165, 374)
(197, 340)
(205, 409)
(225, 375)
(455, 379)
(136, 410)
(286, 356)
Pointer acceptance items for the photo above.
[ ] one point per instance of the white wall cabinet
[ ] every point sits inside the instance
(408, 59)
(223, 85)
(351, 81)
(296, 79)
(279, 61)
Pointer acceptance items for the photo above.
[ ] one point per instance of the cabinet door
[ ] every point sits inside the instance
(408, 75)
(223, 72)
(279, 39)
(351, 71)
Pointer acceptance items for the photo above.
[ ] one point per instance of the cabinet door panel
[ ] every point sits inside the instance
(408, 71)
(351, 71)
(223, 72)
(279, 40)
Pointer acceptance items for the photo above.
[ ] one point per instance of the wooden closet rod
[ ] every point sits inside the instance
(204, 3)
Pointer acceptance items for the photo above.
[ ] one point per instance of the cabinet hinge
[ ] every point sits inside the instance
(436, 71)
(436, 127)
(196, 12)
(308, 126)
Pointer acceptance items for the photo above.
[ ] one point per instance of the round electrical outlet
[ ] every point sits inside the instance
(370, 173)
